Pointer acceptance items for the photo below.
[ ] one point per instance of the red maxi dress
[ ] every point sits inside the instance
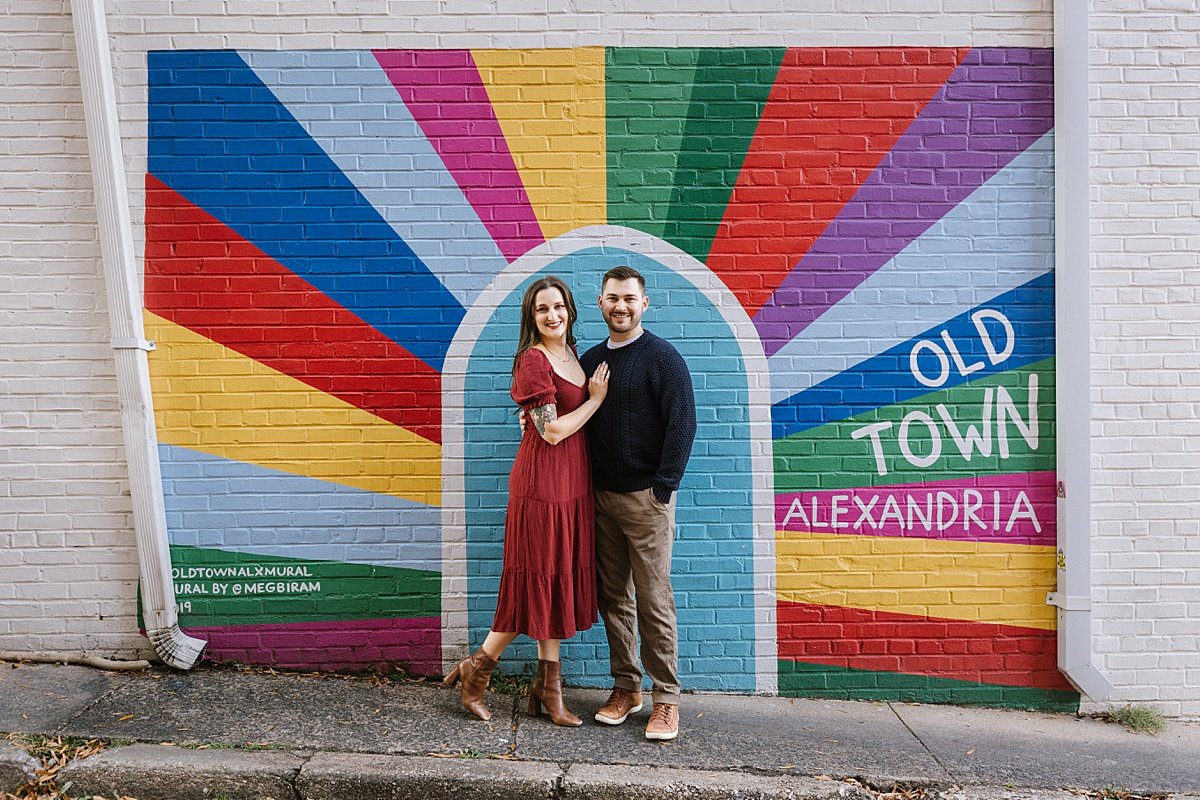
(548, 583)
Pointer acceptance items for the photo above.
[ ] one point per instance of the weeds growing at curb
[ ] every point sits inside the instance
(1114, 792)
(1139, 719)
(471, 752)
(511, 685)
(246, 746)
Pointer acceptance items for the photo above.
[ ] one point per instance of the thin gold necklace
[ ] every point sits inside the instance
(563, 360)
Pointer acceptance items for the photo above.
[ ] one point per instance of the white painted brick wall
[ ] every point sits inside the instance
(68, 568)
(65, 540)
(1146, 353)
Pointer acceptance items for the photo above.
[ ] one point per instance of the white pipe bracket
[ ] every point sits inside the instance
(134, 344)
(1069, 602)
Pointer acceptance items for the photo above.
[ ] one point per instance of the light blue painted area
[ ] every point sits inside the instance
(243, 508)
(712, 569)
(347, 104)
(999, 238)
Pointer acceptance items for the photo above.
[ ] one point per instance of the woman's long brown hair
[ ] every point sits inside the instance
(529, 335)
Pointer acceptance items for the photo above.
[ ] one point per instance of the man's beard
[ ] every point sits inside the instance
(621, 324)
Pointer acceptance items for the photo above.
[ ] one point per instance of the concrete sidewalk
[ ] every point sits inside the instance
(242, 734)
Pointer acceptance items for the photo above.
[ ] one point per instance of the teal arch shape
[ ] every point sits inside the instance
(723, 562)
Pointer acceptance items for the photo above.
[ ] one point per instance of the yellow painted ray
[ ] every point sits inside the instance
(550, 105)
(216, 400)
(1004, 584)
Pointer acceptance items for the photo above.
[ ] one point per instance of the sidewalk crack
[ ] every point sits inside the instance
(114, 691)
(936, 760)
(294, 776)
(515, 723)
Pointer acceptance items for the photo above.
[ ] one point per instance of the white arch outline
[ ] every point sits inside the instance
(454, 373)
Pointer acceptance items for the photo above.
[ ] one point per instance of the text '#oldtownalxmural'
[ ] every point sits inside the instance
(852, 248)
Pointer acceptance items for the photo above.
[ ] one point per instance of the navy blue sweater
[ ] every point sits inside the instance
(641, 437)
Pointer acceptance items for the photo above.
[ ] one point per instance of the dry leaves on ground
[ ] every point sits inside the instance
(54, 753)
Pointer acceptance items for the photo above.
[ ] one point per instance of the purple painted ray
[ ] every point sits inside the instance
(997, 103)
(445, 95)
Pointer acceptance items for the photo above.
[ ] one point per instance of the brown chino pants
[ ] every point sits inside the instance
(634, 536)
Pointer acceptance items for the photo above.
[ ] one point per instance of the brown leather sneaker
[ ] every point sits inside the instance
(664, 722)
(621, 703)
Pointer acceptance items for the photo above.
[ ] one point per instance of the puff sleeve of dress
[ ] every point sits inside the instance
(533, 382)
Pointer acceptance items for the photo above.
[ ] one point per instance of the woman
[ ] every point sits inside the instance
(548, 584)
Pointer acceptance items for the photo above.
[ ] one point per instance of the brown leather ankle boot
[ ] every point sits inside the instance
(547, 691)
(474, 672)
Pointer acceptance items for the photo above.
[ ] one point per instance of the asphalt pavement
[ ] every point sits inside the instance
(231, 733)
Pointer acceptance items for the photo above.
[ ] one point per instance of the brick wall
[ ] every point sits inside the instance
(68, 568)
(1146, 352)
(61, 439)
(308, 208)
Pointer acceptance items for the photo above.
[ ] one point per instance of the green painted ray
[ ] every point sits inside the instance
(647, 101)
(730, 90)
(217, 587)
(829, 458)
(798, 679)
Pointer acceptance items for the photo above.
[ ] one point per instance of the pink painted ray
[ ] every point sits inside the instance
(445, 95)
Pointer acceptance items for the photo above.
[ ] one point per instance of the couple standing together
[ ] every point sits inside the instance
(591, 515)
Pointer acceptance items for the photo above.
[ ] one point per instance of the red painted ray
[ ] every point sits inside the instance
(203, 276)
(1008, 655)
(831, 116)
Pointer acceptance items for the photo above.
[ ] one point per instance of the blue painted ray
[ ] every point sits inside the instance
(998, 238)
(223, 141)
(243, 508)
(1010, 331)
(352, 110)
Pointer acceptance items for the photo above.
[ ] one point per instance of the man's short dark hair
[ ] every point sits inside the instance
(623, 273)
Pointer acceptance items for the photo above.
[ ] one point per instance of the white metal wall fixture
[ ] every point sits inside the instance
(121, 280)
(1072, 306)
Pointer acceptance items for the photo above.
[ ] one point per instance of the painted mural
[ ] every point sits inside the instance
(853, 249)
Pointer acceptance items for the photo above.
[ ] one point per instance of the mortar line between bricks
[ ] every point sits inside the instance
(932, 755)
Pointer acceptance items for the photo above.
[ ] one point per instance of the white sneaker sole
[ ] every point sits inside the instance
(611, 721)
(662, 737)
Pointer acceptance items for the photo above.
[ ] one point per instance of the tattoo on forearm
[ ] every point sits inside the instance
(543, 416)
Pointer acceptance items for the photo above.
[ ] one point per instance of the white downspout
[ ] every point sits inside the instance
(1072, 307)
(121, 280)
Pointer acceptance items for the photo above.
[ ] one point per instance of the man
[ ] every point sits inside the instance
(640, 441)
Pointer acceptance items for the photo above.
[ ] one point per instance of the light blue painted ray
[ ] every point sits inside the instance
(346, 103)
(1000, 237)
(216, 502)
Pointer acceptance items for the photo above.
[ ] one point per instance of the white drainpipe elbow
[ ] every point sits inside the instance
(1072, 307)
(122, 281)
(1075, 646)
